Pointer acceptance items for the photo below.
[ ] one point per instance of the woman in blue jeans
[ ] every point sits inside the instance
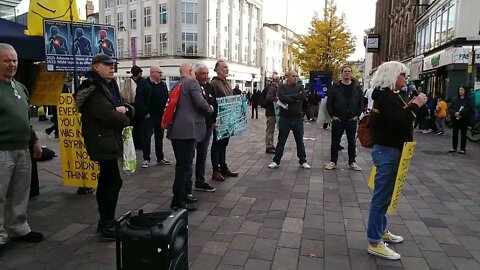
(391, 126)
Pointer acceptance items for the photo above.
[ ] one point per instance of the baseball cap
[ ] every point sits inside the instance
(102, 58)
(136, 70)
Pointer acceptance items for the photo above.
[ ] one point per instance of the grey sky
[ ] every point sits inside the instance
(359, 14)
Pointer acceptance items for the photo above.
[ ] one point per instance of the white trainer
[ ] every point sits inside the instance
(273, 165)
(305, 166)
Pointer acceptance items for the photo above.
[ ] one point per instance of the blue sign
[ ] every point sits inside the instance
(232, 116)
(71, 46)
(320, 82)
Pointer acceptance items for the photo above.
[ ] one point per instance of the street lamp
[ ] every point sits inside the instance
(133, 45)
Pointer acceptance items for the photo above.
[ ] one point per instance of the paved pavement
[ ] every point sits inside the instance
(288, 218)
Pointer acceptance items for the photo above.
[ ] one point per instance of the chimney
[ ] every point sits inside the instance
(89, 8)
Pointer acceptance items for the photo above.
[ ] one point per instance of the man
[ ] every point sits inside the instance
(128, 92)
(256, 97)
(344, 105)
(82, 44)
(201, 74)
(150, 101)
(187, 129)
(57, 43)
(237, 89)
(222, 88)
(270, 113)
(137, 73)
(291, 95)
(15, 136)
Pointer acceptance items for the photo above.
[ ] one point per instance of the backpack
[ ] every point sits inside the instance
(169, 113)
(47, 154)
(263, 99)
(364, 133)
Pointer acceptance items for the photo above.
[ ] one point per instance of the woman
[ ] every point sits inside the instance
(103, 118)
(460, 110)
(391, 126)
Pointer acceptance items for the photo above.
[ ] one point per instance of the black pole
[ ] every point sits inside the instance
(472, 74)
(75, 81)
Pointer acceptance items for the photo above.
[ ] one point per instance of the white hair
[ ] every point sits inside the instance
(275, 77)
(6, 47)
(199, 66)
(387, 74)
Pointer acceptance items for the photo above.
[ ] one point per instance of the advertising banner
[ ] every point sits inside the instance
(77, 168)
(71, 46)
(232, 116)
(320, 82)
(407, 154)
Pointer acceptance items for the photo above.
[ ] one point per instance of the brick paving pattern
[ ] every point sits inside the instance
(287, 218)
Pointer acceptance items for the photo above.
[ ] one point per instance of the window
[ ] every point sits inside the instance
(235, 52)
(147, 16)
(226, 48)
(133, 19)
(120, 48)
(189, 13)
(119, 2)
(163, 44)
(163, 13)
(432, 32)
(189, 43)
(108, 3)
(119, 20)
(451, 21)
(108, 19)
(214, 46)
(438, 29)
(148, 45)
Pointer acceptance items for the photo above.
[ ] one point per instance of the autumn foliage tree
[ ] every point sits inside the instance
(327, 44)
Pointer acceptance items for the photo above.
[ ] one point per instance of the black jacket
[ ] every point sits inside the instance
(467, 111)
(293, 95)
(391, 119)
(337, 104)
(256, 98)
(151, 98)
(271, 98)
(211, 98)
(102, 125)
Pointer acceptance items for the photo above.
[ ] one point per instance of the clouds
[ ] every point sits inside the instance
(359, 15)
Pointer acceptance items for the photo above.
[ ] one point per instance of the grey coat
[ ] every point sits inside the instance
(189, 120)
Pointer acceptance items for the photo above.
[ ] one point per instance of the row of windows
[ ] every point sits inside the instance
(189, 15)
(189, 44)
(437, 29)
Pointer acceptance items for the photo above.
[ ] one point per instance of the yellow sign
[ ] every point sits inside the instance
(406, 157)
(52, 10)
(470, 69)
(78, 169)
(48, 87)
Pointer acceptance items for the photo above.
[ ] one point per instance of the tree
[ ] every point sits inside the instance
(327, 44)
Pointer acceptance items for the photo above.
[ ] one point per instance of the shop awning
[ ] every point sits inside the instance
(27, 47)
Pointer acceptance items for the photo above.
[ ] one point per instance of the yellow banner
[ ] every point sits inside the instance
(48, 87)
(78, 169)
(407, 154)
(59, 10)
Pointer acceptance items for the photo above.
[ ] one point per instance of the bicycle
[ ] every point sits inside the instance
(473, 133)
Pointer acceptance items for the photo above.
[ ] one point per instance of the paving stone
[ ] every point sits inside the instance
(417, 228)
(254, 264)
(290, 240)
(294, 225)
(205, 262)
(263, 249)
(285, 259)
(249, 227)
(470, 242)
(334, 228)
(438, 260)
(335, 245)
(314, 222)
(243, 242)
(465, 263)
(337, 262)
(269, 233)
(359, 260)
(414, 263)
(310, 263)
(313, 234)
(311, 248)
(444, 236)
(215, 248)
(356, 240)
(68, 232)
(235, 257)
(456, 251)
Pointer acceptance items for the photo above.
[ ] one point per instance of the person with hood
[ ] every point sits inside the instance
(461, 110)
(344, 105)
(391, 126)
(103, 119)
(222, 88)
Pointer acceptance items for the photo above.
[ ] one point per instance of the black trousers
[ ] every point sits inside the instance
(462, 127)
(184, 151)
(338, 128)
(109, 185)
(255, 110)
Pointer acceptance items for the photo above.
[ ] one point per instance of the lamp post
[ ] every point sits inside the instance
(471, 66)
(133, 45)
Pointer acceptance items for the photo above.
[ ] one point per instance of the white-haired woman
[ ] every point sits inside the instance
(391, 126)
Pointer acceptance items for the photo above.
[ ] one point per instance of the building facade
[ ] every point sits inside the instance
(7, 9)
(402, 31)
(382, 29)
(447, 46)
(171, 32)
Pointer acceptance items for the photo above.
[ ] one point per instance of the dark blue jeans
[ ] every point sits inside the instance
(151, 126)
(184, 151)
(219, 153)
(386, 159)
(285, 125)
(338, 127)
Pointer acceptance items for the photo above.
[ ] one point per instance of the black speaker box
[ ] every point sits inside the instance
(153, 241)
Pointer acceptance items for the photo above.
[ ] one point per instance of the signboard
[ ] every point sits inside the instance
(232, 116)
(77, 168)
(320, 82)
(406, 157)
(453, 55)
(71, 46)
(48, 87)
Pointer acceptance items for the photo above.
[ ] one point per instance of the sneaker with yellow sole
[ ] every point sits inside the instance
(382, 250)
(391, 238)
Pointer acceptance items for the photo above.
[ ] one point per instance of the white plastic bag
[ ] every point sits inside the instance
(323, 116)
(129, 162)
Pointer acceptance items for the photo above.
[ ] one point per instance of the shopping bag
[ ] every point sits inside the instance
(129, 162)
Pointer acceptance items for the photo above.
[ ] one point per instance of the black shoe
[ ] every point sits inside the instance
(108, 234)
(340, 147)
(452, 150)
(84, 190)
(48, 131)
(31, 237)
(183, 205)
(190, 199)
(461, 152)
(204, 187)
(270, 151)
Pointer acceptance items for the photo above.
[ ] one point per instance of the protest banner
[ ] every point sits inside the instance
(48, 87)
(404, 165)
(232, 116)
(77, 168)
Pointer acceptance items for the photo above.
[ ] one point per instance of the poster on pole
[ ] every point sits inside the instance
(71, 46)
(77, 168)
(404, 165)
(232, 116)
(48, 87)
